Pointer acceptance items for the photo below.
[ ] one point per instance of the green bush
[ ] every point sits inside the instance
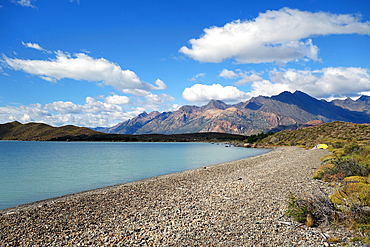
(346, 167)
(352, 193)
(321, 172)
(297, 208)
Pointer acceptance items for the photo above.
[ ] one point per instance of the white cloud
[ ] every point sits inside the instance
(272, 36)
(197, 76)
(85, 51)
(327, 83)
(91, 106)
(343, 81)
(117, 100)
(136, 92)
(35, 46)
(63, 107)
(267, 88)
(48, 79)
(92, 113)
(246, 77)
(26, 118)
(204, 93)
(25, 3)
(84, 67)
(228, 74)
(174, 107)
(153, 102)
(160, 85)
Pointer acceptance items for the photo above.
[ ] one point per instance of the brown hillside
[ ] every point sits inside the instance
(329, 133)
(40, 131)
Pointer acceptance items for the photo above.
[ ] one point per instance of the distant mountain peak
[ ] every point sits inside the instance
(143, 114)
(215, 104)
(349, 99)
(188, 108)
(364, 99)
(15, 123)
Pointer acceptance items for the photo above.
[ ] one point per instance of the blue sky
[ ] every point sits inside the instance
(97, 63)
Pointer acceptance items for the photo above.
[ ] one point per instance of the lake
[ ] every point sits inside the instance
(33, 171)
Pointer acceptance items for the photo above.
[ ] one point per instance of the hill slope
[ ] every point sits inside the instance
(333, 133)
(40, 131)
(44, 132)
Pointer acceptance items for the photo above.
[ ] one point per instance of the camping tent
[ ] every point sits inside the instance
(321, 146)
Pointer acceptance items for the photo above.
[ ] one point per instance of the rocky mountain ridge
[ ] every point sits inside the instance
(259, 114)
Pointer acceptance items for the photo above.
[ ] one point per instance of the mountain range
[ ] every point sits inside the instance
(259, 114)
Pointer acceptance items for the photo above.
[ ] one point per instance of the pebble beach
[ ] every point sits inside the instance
(239, 203)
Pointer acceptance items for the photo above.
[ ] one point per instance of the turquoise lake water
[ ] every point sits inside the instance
(32, 171)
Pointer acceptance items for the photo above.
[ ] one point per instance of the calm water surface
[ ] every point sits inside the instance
(32, 171)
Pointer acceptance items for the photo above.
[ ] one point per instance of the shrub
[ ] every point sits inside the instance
(320, 173)
(297, 208)
(337, 152)
(328, 157)
(357, 179)
(352, 193)
(311, 210)
(351, 148)
(347, 167)
(338, 144)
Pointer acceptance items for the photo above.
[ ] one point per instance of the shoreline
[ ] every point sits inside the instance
(237, 203)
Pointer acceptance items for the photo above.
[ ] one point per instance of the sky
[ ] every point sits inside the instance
(98, 63)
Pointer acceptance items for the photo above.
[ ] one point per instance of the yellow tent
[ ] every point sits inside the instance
(321, 146)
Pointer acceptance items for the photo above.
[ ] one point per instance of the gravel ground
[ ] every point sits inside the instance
(239, 203)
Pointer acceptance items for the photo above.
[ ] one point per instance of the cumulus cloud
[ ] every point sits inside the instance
(327, 83)
(154, 102)
(248, 77)
(84, 67)
(91, 106)
(25, 3)
(92, 113)
(279, 36)
(117, 100)
(174, 107)
(197, 76)
(267, 88)
(245, 76)
(204, 93)
(228, 74)
(35, 46)
(107, 111)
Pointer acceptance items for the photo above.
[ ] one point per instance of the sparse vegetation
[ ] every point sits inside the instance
(347, 168)
(312, 209)
(256, 138)
(335, 134)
